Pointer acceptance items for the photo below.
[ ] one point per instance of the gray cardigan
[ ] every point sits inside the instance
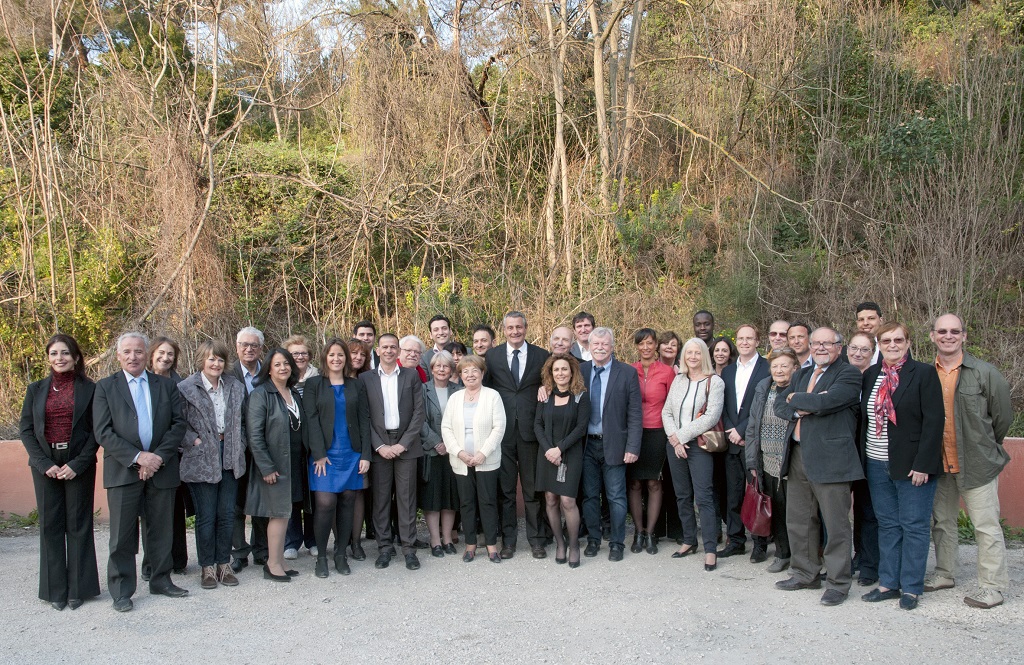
(754, 418)
(679, 423)
(270, 442)
(203, 463)
(430, 434)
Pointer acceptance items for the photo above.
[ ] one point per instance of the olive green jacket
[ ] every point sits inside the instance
(983, 413)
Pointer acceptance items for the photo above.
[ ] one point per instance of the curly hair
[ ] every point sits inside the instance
(575, 383)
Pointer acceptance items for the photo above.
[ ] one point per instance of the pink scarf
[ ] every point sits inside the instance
(883, 400)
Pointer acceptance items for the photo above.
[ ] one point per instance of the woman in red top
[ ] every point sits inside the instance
(655, 380)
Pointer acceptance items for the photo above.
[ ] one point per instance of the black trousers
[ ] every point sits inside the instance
(735, 486)
(519, 468)
(179, 549)
(257, 543)
(776, 489)
(67, 552)
(478, 497)
(127, 503)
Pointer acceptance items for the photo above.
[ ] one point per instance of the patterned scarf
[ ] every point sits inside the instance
(883, 400)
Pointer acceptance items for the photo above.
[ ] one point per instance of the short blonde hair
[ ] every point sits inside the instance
(471, 361)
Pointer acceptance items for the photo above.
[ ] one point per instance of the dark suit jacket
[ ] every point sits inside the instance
(520, 403)
(318, 405)
(236, 371)
(827, 435)
(82, 447)
(622, 417)
(410, 411)
(576, 352)
(736, 414)
(915, 441)
(116, 427)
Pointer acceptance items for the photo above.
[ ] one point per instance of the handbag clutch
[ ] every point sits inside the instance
(757, 511)
(713, 440)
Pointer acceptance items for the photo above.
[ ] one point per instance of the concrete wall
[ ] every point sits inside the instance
(17, 495)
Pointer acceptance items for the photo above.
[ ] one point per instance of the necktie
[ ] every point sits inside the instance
(515, 367)
(810, 387)
(142, 411)
(595, 399)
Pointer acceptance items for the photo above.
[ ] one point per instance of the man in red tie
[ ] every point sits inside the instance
(821, 460)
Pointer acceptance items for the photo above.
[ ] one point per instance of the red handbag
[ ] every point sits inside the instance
(757, 511)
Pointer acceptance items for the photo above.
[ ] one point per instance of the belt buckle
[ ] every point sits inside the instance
(59, 446)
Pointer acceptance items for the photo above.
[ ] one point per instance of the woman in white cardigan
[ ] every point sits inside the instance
(472, 428)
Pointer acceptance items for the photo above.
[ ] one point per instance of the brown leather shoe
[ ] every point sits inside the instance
(225, 575)
(539, 552)
(209, 579)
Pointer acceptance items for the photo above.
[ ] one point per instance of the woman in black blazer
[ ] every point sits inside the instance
(56, 430)
(338, 419)
(902, 419)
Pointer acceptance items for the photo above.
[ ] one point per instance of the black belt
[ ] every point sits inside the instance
(596, 437)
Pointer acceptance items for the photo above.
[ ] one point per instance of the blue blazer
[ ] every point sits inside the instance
(622, 417)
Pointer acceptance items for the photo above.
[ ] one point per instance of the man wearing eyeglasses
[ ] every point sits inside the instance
(249, 347)
(821, 460)
(777, 335)
(978, 415)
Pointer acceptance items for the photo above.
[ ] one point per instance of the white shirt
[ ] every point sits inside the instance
(217, 397)
(585, 354)
(522, 359)
(389, 389)
(744, 370)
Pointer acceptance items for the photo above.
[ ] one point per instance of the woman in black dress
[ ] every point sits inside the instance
(561, 427)
(56, 430)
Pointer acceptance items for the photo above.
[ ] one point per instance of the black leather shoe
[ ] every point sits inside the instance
(341, 565)
(450, 548)
(908, 602)
(469, 555)
(690, 549)
(437, 551)
(123, 604)
(615, 553)
(793, 584)
(259, 561)
(652, 544)
(867, 581)
(322, 571)
(876, 596)
(507, 552)
(180, 571)
(383, 560)
(411, 562)
(59, 605)
(574, 550)
(637, 545)
(832, 597)
(146, 573)
(267, 575)
(732, 549)
(171, 591)
(758, 555)
(238, 564)
(539, 552)
(358, 553)
(421, 544)
(592, 548)
(75, 603)
(291, 573)
(494, 557)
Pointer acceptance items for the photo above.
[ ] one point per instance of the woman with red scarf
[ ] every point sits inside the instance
(902, 419)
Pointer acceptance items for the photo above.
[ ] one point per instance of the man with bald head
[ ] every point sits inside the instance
(561, 340)
(821, 459)
(777, 335)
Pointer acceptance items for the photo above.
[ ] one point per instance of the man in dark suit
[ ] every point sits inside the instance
(582, 325)
(366, 333)
(138, 422)
(741, 379)
(821, 459)
(395, 398)
(440, 333)
(513, 369)
(249, 348)
(613, 440)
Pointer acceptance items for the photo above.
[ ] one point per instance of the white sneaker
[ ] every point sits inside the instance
(291, 553)
(985, 599)
(934, 582)
(314, 551)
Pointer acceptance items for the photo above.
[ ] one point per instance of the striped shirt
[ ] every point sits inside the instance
(877, 446)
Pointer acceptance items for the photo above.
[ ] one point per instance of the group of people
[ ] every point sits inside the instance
(382, 426)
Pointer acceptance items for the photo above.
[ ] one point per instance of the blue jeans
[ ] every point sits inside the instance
(215, 518)
(300, 529)
(596, 470)
(904, 514)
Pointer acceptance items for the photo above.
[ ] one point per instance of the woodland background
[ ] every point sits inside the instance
(190, 167)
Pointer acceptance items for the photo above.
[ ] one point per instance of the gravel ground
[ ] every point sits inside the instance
(646, 608)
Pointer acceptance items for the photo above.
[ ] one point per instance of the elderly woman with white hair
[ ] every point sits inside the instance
(693, 406)
(438, 494)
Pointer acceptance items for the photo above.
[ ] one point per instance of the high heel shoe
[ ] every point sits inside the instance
(574, 550)
(684, 553)
(267, 575)
(638, 543)
(321, 567)
(710, 566)
(652, 544)
(494, 557)
(562, 559)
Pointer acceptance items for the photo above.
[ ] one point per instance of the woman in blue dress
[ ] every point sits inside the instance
(339, 451)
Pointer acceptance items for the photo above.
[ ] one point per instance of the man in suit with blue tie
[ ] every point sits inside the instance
(821, 459)
(741, 379)
(513, 369)
(613, 440)
(138, 422)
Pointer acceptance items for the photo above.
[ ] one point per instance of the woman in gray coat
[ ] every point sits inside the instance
(438, 495)
(277, 433)
(213, 457)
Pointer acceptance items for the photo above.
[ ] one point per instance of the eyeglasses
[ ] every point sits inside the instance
(776, 334)
(415, 352)
(860, 350)
(300, 354)
(956, 332)
(824, 345)
(250, 345)
(898, 341)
